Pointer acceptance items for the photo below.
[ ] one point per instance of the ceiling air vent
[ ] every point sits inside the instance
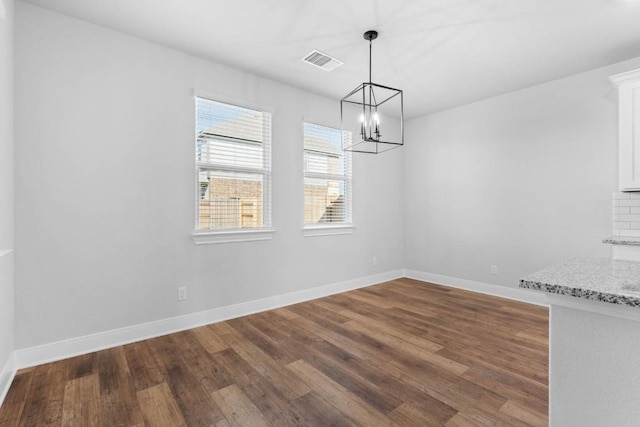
(322, 60)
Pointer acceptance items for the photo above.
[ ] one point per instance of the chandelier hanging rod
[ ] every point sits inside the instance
(370, 35)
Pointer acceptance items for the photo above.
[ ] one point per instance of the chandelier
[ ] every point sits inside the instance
(372, 115)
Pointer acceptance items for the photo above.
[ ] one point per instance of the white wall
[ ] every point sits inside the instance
(105, 187)
(594, 369)
(6, 186)
(521, 181)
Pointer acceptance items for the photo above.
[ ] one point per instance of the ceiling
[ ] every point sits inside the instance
(442, 53)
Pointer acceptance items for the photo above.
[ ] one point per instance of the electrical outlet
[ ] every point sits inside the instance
(182, 293)
(494, 269)
(375, 260)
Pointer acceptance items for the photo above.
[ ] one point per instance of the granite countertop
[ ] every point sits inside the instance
(622, 240)
(600, 279)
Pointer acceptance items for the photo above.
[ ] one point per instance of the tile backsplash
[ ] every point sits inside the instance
(626, 214)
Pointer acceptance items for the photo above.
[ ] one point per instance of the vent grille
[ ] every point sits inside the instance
(322, 60)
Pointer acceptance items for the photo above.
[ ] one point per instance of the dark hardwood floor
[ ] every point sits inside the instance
(399, 353)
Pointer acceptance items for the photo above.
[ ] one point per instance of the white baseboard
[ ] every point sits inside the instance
(517, 294)
(7, 374)
(33, 356)
(81, 345)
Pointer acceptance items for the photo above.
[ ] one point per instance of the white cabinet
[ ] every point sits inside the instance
(629, 129)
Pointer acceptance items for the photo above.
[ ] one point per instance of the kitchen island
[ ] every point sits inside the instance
(594, 341)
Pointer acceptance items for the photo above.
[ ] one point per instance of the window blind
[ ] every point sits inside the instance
(327, 176)
(233, 160)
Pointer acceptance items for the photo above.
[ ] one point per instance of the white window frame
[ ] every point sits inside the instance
(331, 228)
(265, 232)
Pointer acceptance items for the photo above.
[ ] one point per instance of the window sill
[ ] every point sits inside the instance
(327, 230)
(231, 236)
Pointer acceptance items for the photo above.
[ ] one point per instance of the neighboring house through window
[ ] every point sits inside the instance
(233, 160)
(327, 177)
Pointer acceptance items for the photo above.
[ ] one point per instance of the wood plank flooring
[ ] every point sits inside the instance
(401, 353)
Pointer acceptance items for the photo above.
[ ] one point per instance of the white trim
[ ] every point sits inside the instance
(618, 79)
(327, 176)
(332, 122)
(211, 237)
(33, 356)
(327, 230)
(517, 294)
(264, 171)
(216, 167)
(81, 345)
(233, 100)
(7, 374)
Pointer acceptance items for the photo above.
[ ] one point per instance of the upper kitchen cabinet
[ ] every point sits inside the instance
(629, 129)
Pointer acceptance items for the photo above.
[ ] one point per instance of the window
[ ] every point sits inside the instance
(233, 161)
(327, 177)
